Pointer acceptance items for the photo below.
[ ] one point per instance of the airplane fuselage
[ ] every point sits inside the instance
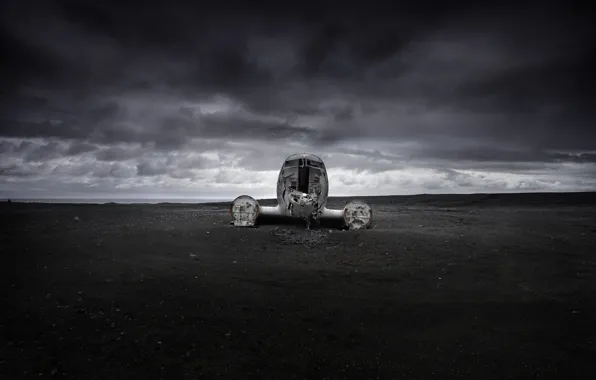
(302, 186)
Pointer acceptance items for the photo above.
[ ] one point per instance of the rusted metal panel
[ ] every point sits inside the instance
(357, 215)
(245, 211)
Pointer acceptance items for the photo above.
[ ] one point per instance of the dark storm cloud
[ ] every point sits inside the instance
(476, 157)
(458, 85)
(116, 154)
(409, 52)
(78, 147)
(44, 152)
(167, 129)
(151, 168)
(7, 147)
(488, 154)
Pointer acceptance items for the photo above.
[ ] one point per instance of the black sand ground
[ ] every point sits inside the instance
(443, 287)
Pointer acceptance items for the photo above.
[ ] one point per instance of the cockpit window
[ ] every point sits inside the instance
(300, 162)
(313, 164)
(292, 163)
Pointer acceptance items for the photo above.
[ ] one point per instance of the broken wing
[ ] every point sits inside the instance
(246, 210)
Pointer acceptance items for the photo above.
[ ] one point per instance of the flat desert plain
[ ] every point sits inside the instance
(462, 286)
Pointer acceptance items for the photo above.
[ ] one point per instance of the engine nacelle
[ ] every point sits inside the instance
(245, 211)
(357, 215)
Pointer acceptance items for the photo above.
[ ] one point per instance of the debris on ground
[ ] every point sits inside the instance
(308, 238)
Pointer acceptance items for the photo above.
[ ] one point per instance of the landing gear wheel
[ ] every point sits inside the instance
(311, 222)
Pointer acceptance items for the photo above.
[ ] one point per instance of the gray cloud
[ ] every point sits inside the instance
(118, 153)
(151, 168)
(107, 92)
(44, 152)
(78, 147)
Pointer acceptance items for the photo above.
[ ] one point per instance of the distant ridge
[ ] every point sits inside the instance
(446, 200)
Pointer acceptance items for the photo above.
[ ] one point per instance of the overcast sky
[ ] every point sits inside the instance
(104, 99)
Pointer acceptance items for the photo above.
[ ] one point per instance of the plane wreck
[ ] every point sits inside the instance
(302, 191)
